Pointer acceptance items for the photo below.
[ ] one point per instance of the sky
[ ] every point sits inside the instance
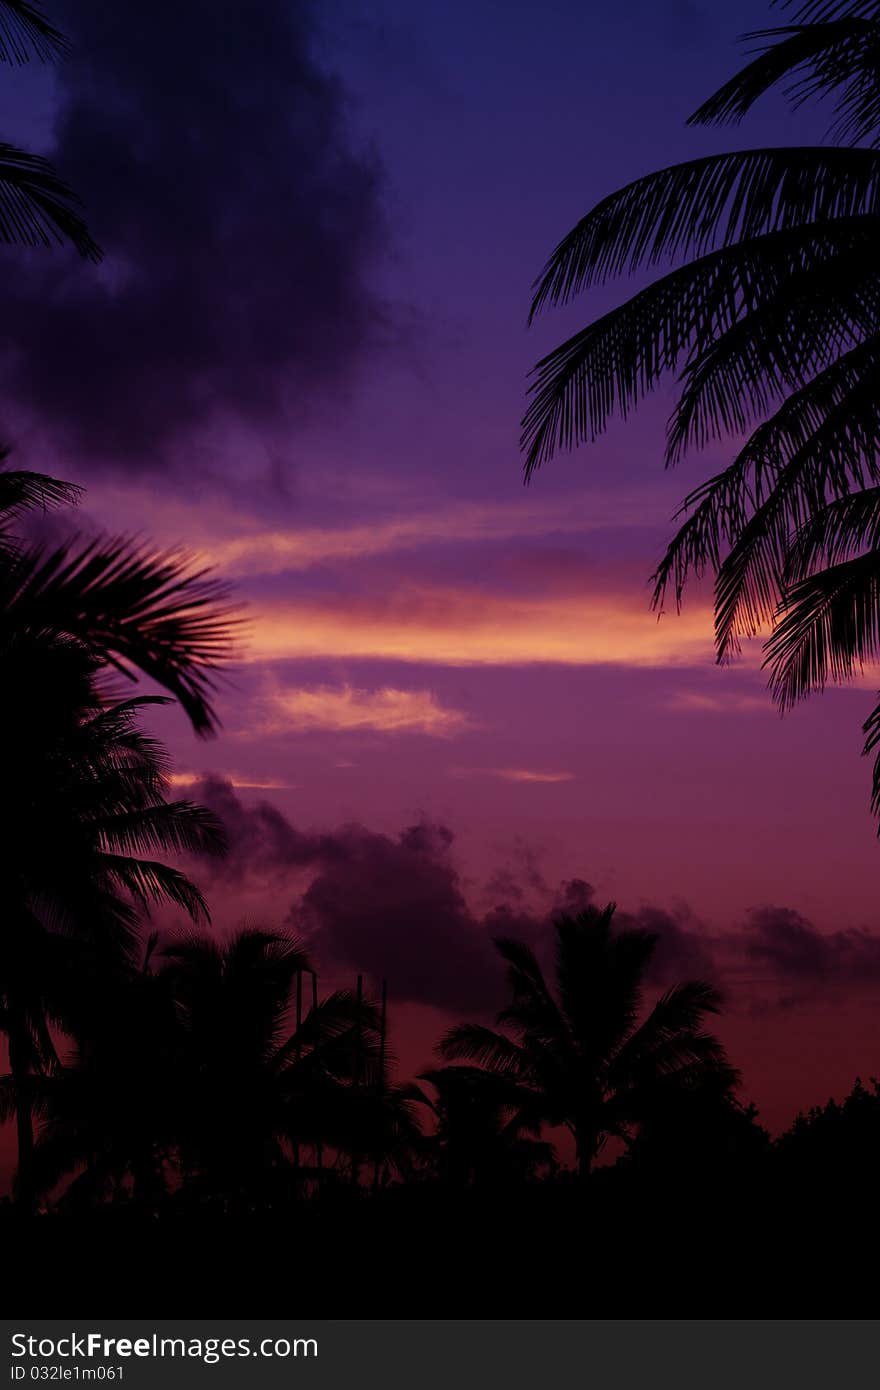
(305, 359)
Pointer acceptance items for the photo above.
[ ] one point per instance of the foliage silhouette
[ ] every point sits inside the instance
(770, 317)
(36, 206)
(579, 1056)
(189, 1075)
(87, 791)
(483, 1137)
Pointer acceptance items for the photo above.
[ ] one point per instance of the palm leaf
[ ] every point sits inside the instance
(835, 533)
(818, 429)
(37, 208)
(778, 346)
(22, 491)
(473, 1042)
(150, 882)
(704, 204)
(837, 55)
(827, 629)
(871, 730)
(25, 33)
(179, 826)
(610, 365)
(136, 609)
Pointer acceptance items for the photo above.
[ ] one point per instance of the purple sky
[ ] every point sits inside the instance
(430, 641)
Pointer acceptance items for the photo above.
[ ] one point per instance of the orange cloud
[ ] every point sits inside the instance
(237, 779)
(513, 774)
(344, 709)
(463, 627)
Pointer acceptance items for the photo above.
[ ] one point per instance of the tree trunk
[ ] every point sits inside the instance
(586, 1148)
(19, 1066)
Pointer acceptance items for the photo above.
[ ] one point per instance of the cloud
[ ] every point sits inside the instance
(264, 551)
(344, 709)
(725, 702)
(395, 905)
(796, 951)
(391, 905)
(244, 543)
(684, 949)
(214, 160)
(513, 774)
(244, 780)
(463, 626)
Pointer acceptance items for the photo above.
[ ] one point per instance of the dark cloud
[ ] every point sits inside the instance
(684, 951)
(213, 157)
(795, 950)
(261, 839)
(389, 905)
(395, 906)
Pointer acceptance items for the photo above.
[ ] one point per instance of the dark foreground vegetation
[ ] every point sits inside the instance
(782, 1241)
(199, 1127)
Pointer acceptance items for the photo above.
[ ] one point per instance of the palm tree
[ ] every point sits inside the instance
(191, 1062)
(87, 808)
(36, 206)
(769, 313)
(578, 1056)
(86, 789)
(111, 1112)
(265, 1087)
(133, 608)
(483, 1136)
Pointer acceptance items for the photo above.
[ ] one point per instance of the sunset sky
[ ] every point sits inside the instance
(305, 358)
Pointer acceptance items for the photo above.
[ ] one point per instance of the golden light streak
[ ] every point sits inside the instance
(458, 627)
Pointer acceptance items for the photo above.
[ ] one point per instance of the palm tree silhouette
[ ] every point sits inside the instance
(133, 608)
(192, 1064)
(111, 1112)
(770, 317)
(578, 1056)
(484, 1136)
(87, 791)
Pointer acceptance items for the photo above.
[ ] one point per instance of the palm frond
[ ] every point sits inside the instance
(22, 491)
(150, 882)
(841, 454)
(472, 1042)
(179, 826)
(734, 376)
(835, 533)
(136, 609)
(37, 208)
(871, 730)
(827, 629)
(690, 209)
(818, 439)
(837, 55)
(26, 33)
(610, 365)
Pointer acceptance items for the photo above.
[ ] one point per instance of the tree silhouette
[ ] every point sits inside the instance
(132, 608)
(484, 1137)
(222, 1089)
(578, 1056)
(770, 317)
(87, 810)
